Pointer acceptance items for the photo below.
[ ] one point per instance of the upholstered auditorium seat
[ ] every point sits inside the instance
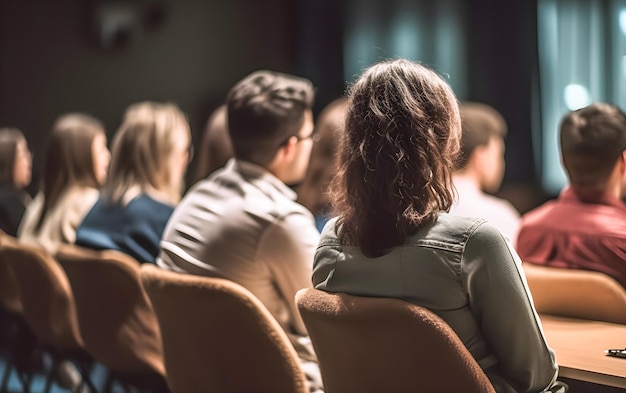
(218, 337)
(380, 345)
(48, 306)
(116, 319)
(573, 293)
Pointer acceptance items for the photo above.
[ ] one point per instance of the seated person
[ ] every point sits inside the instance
(215, 148)
(393, 238)
(150, 154)
(313, 191)
(585, 227)
(242, 222)
(15, 175)
(480, 169)
(75, 166)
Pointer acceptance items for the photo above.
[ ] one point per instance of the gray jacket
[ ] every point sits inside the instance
(465, 271)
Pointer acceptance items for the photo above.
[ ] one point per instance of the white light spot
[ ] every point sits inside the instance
(576, 96)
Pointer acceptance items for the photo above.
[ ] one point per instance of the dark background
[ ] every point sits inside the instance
(100, 56)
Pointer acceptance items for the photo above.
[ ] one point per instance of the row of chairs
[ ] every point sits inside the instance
(84, 306)
(163, 330)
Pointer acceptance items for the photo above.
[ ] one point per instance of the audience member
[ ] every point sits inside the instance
(585, 227)
(480, 169)
(150, 154)
(393, 237)
(15, 175)
(242, 222)
(215, 148)
(75, 167)
(313, 191)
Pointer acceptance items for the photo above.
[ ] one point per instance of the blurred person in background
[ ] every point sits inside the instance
(313, 191)
(480, 169)
(75, 166)
(150, 154)
(585, 227)
(15, 175)
(215, 147)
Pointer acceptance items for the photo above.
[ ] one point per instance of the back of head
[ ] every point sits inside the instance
(143, 149)
(479, 122)
(264, 110)
(592, 139)
(216, 146)
(9, 138)
(313, 191)
(401, 140)
(68, 159)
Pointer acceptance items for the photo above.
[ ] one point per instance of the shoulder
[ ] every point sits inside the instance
(450, 229)
(79, 196)
(146, 209)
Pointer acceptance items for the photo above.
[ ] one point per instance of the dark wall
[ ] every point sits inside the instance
(52, 59)
(502, 72)
(189, 52)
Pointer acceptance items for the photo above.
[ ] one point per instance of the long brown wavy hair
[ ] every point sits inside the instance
(400, 144)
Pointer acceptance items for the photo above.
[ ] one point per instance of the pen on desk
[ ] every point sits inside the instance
(619, 353)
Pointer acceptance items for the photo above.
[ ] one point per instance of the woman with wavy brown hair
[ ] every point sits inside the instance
(393, 237)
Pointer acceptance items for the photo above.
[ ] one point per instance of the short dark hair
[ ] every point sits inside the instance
(264, 109)
(592, 139)
(480, 122)
(400, 141)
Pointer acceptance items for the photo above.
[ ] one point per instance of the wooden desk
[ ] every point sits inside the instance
(580, 345)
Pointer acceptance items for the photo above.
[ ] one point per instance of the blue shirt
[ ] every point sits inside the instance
(134, 229)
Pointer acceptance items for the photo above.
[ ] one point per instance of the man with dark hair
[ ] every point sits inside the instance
(242, 222)
(480, 169)
(585, 227)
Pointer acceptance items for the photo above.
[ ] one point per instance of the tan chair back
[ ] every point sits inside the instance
(574, 293)
(9, 291)
(116, 319)
(218, 337)
(368, 344)
(47, 299)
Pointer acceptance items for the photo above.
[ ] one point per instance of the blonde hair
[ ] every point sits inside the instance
(142, 151)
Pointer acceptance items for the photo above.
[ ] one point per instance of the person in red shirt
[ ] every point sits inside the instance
(585, 227)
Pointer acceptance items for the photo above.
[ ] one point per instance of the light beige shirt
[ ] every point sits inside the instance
(471, 201)
(59, 225)
(242, 223)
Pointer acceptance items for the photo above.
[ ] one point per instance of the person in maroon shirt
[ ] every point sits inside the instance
(585, 227)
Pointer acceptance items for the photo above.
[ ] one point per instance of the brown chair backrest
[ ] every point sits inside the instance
(218, 337)
(9, 291)
(574, 293)
(370, 344)
(46, 295)
(117, 322)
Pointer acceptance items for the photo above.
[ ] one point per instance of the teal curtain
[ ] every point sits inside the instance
(421, 30)
(582, 49)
